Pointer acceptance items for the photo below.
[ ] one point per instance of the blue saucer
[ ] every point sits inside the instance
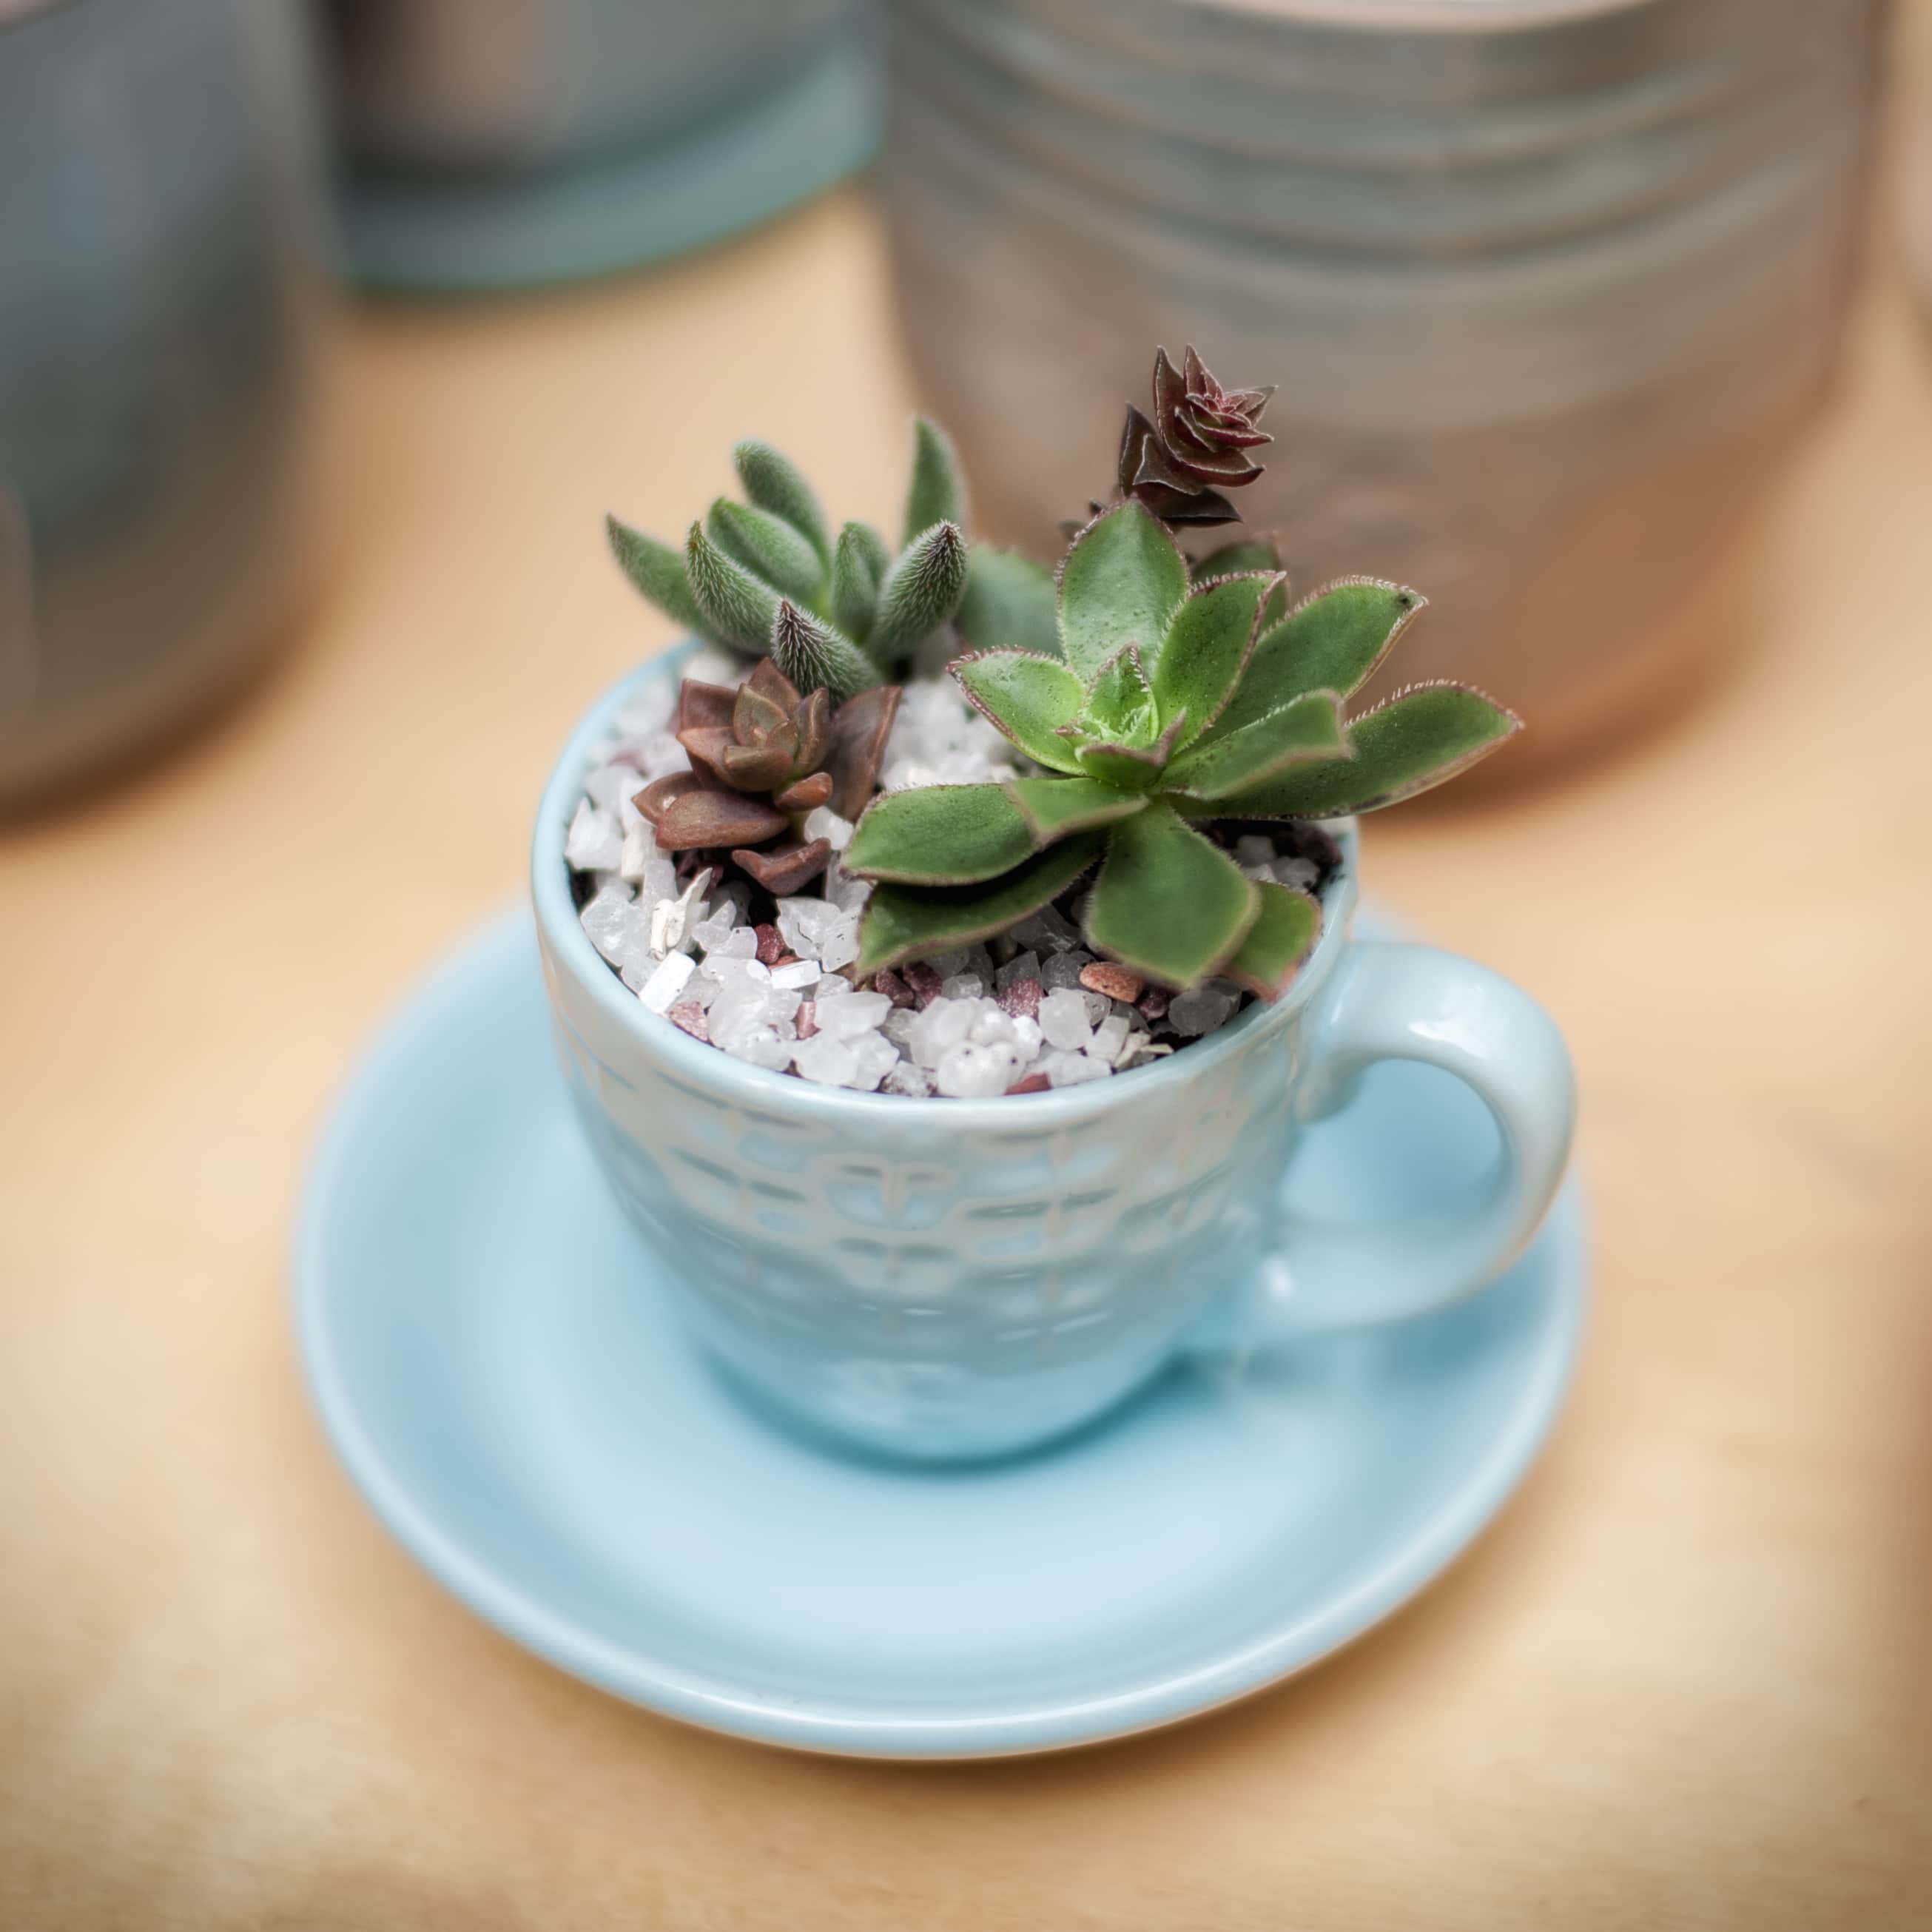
(500, 1369)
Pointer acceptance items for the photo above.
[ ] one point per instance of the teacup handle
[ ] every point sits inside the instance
(1401, 1002)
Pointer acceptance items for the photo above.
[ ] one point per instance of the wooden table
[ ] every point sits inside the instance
(1687, 1681)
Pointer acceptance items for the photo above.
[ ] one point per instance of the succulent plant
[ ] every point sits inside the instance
(1197, 446)
(762, 758)
(765, 577)
(1171, 705)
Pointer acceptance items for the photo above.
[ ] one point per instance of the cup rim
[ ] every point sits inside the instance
(699, 1062)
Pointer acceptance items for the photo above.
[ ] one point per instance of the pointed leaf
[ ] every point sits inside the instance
(1053, 808)
(1121, 582)
(1288, 925)
(816, 657)
(701, 818)
(859, 729)
(1028, 698)
(1329, 642)
(939, 835)
(1419, 738)
(738, 609)
(1168, 902)
(1132, 767)
(774, 483)
(920, 591)
(783, 870)
(857, 564)
(658, 570)
(1010, 604)
(767, 546)
(907, 922)
(1208, 646)
(1237, 559)
(1308, 731)
(1119, 706)
(936, 493)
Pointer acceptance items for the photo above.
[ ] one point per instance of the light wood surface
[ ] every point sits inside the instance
(1686, 1682)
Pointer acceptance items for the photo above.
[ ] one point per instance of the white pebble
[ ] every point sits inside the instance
(822, 822)
(830, 1061)
(761, 1045)
(607, 783)
(640, 848)
(855, 1013)
(1299, 873)
(936, 1031)
(1027, 1036)
(608, 920)
(904, 1078)
(660, 991)
(1071, 1070)
(993, 1027)
(1063, 1020)
(796, 977)
(1109, 1037)
(803, 923)
(876, 1056)
(839, 947)
(1254, 848)
(593, 844)
(661, 755)
(1063, 968)
(962, 986)
(970, 1072)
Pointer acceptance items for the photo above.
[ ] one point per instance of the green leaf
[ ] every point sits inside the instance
(1419, 737)
(774, 483)
(907, 922)
(1288, 925)
(738, 609)
(1208, 647)
(1168, 902)
(858, 562)
(1120, 583)
(1237, 559)
(765, 545)
(1308, 731)
(1330, 642)
(936, 494)
(816, 657)
(1055, 807)
(1010, 604)
(1131, 767)
(1119, 706)
(940, 836)
(1028, 698)
(658, 570)
(920, 591)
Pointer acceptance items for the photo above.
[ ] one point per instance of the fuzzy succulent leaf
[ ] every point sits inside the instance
(858, 562)
(1121, 582)
(1239, 559)
(658, 570)
(940, 836)
(911, 922)
(1287, 926)
(1168, 903)
(1028, 698)
(1010, 604)
(1055, 808)
(1132, 767)
(767, 546)
(936, 493)
(920, 591)
(1120, 706)
(738, 609)
(1208, 647)
(1331, 641)
(774, 483)
(1307, 731)
(815, 656)
(1414, 741)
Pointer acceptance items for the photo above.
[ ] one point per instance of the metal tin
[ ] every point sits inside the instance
(1547, 289)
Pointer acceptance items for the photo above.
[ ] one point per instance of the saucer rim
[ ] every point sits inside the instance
(828, 1727)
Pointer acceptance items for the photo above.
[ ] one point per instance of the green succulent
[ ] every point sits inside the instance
(1170, 704)
(766, 577)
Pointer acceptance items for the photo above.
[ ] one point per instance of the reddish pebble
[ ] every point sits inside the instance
(689, 1014)
(1114, 982)
(1020, 997)
(1153, 1002)
(887, 982)
(771, 945)
(924, 981)
(806, 1019)
(1034, 1083)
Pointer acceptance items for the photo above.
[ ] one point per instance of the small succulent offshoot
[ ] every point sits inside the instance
(763, 758)
(765, 577)
(1172, 704)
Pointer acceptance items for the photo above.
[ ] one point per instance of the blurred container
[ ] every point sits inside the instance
(164, 305)
(493, 143)
(1547, 284)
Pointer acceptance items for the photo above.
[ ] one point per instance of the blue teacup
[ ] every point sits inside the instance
(942, 1278)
